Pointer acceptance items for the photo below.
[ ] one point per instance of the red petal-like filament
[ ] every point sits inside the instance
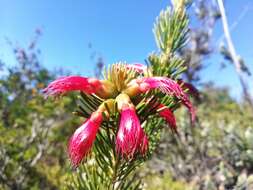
(72, 83)
(130, 138)
(83, 138)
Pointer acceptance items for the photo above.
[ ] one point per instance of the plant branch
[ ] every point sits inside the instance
(234, 56)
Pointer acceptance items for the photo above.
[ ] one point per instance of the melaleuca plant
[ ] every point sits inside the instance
(125, 112)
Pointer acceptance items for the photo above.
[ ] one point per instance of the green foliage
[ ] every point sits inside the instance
(217, 152)
(164, 182)
(171, 30)
(30, 127)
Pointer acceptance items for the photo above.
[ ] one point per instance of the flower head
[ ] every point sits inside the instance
(118, 88)
(83, 138)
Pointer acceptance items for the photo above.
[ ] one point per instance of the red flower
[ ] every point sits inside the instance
(82, 140)
(131, 137)
(144, 144)
(166, 85)
(117, 90)
(168, 116)
(72, 83)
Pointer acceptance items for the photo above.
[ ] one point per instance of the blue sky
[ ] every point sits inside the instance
(119, 30)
